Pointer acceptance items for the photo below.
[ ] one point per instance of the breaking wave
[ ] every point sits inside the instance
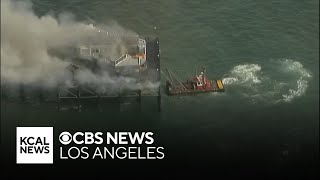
(279, 81)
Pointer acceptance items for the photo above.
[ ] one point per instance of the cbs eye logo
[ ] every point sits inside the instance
(65, 138)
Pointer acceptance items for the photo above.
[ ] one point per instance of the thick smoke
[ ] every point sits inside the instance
(26, 42)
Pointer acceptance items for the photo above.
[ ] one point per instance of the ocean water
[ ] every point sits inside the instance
(266, 53)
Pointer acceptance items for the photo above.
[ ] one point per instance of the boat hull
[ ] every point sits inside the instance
(181, 90)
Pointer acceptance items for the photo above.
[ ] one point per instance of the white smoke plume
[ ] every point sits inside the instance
(27, 39)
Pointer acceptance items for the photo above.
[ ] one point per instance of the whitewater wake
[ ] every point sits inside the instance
(282, 80)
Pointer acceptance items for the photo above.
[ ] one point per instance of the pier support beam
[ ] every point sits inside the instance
(40, 95)
(58, 100)
(139, 100)
(22, 92)
(78, 100)
(159, 100)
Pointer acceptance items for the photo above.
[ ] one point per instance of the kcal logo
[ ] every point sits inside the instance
(34, 145)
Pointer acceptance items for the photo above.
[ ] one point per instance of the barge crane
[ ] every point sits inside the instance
(199, 83)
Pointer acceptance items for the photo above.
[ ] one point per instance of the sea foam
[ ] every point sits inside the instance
(270, 86)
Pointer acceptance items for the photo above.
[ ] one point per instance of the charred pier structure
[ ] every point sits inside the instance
(136, 59)
(79, 97)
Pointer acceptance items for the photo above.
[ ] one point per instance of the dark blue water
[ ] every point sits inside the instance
(266, 52)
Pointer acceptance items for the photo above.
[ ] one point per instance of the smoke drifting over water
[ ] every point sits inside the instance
(281, 81)
(27, 38)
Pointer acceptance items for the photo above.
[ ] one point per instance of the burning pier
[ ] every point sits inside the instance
(141, 63)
